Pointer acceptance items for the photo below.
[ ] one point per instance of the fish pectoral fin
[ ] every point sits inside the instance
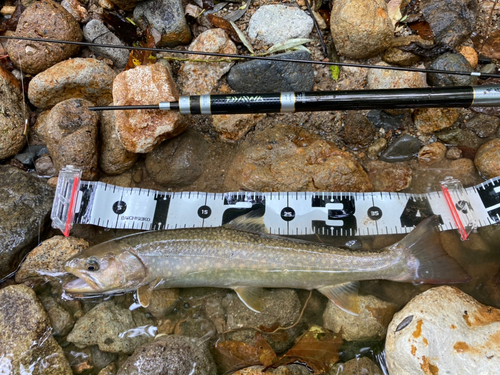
(250, 296)
(144, 292)
(344, 296)
(252, 221)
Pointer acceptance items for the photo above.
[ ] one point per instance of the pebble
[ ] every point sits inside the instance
(30, 153)
(361, 28)
(431, 153)
(170, 354)
(61, 320)
(126, 5)
(453, 153)
(483, 125)
(45, 167)
(275, 24)
(388, 176)
(386, 121)
(451, 62)
(112, 328)
(297, 161)
(232, 128)
(43, 19)
(114, 158)
(445, 331)
(12, 114)
(359, 132)
(403, 148)
(88, 79)
(273, 76)
(394, 56)
(75, 8)
(464, 170)
(470, 55)
(356, 366)
(371, 323)
(140, 131)
(281, 370)
(26, 342)
(394, 79)
(162, 302)
(451, 137)
(198, 78)
(487, 160)
(70, 131)
(167, 18)
(376, 148)
(179, 161)
(29, 200)
(96, 32)
(429, 120)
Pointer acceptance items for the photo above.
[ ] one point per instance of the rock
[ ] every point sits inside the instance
(140, 131)
(167, 18)
(470, 55)
(487, 159)
(358, 130)
(172, 354)
(273, 76)
(384, 120)
(48, 258)
(356, 366)
(76, 10)
(376, 148)
(114, 158)
(12, 115)
(70, 131)
(275, 24)
(280, 306)
(108, 370)
(361, 28)
(290, 159)
(25, 204)
(452, 62)
(96, 32)
(394, 56)
(28, 156)
(45, 167)
(26, 342)
(61, 320)
(484, 126)
(281, 370)
(403, 148)
(463, 170)
(43, 19)
(88, 79)
(429, 120)
(371, 323)
(431, 153)
(453, 153)
(178, 162)
(232, 128)
(443, 330)
(110, 327)
(162, 302)
(127, 5)
(388, 176)
(197, 78)
(394, 79)
(453, 137)
(451, 21)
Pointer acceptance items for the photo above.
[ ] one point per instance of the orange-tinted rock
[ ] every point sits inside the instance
(429, 120)
(487, 159)
(233, 127)
(431, 153)
(388, 176)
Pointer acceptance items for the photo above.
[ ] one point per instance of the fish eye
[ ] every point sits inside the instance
(92, 265)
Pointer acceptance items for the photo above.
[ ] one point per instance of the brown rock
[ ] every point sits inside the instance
(140, 131)
(358, 130)
(429, 120)
(45, 167)
(127, 5)
(453, 153)
(431, 153)
(76, 9)
(233, 127)
(197, 78)
(388, 176)
(43, 19)
(376, 148)
(356, 366)
(394, 79)
(76, 78)
(487, 159)
(463, 169)
(395, 56)
(470, 54)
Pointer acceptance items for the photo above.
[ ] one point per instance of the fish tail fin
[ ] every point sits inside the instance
(427, 261)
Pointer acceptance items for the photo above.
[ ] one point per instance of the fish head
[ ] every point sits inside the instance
(103, 269)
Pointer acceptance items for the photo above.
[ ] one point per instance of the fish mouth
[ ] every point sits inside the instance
(84, 284)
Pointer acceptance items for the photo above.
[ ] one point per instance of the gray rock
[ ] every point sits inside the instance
(273, 76)
(96, 32)
(171, 354)
(110, 327)
(26, 341)
(30, 154)
(451, 137)
(402, 149)
(483, 125)
(167, 17)
(450, 61)
(384, 120)
(278, 23)
(356, 366)
(60, 319)
(25, 204)
(179, 161)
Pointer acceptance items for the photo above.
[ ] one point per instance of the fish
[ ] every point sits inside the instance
(246, 261)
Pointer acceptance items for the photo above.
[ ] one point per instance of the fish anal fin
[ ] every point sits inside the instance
(251, 297)
(144, 292)
(344, 296)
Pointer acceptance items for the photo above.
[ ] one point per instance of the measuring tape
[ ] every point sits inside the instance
(286, 213)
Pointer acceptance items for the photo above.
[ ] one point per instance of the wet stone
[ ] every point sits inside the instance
(430, 120)
(356, 366)
(273, 76)
(96, 32)
(167, 18)
(88, 79)
(45, 167)
(275, 24)
(463, 170)
(394, 56)
(172, 354)
(388, 176)
(358, 130)
(60, 319)
(376, 148)
(162, 302)
(402, 149)
(361, 28)
(384, 120)
(453, 153)
(431, 153)
(281, 370)
(179, 161)
(43, 19)
(233, 127)
(484, 126)
(30, 154)
(451, 137)
(29, 200)
(127, 5)
(393, 79)
(487, 159)
(452, 62)
(75, 8)
(26, 341)
(470, 55)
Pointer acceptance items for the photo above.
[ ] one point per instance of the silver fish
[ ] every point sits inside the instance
(247, 262)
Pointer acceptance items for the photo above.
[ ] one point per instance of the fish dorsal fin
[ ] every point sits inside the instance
(344, 296)
(250, 296)
(252, 221)
(144, 292)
